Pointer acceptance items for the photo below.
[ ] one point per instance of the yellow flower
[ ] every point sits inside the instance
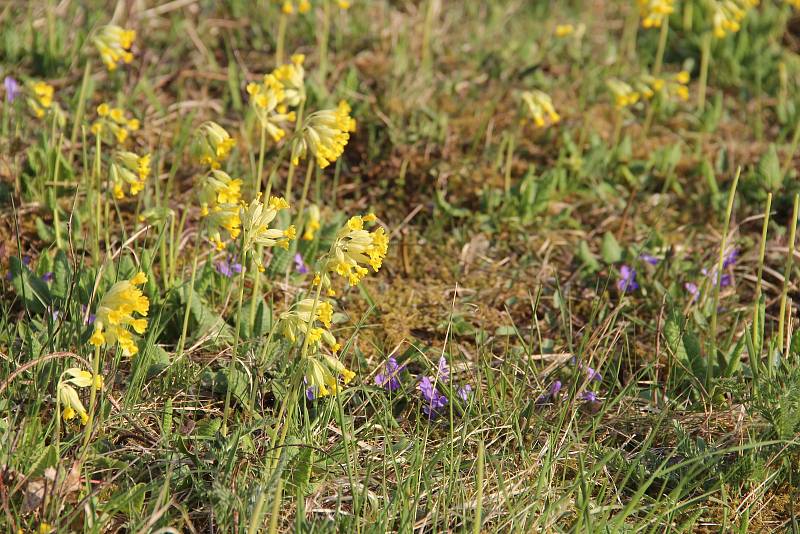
(114, 44)
(655, 11)
(325, 134)
(540, 107)
(41, 98)
(223, 217)
(128, 168)
(83, 379)
(256, 218)
(267, 100)
(115, 314)
(71, 402)
(323, 373)
(624, 95)
(298, 322)
(343, 4)
(312, 223)
(212, 144)
(112, 123)
(564, 30)
(728, 14)
(356, 248)
(291, 76)
(218, 187)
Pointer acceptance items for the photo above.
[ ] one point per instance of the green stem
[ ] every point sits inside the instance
(282, 23)
(787, 164)
(757, 304)
(788, 270)
(56, 173)
(87, 72)
(232, 364)
(92, 401)
(704, 60)
(97, 203)
(323, 42)
(189, 297)
(662, 45)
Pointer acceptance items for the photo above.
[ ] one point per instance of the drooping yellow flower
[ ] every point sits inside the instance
(354, 249)
(325, 134)
(40, 99)
(655, 11)
(128, 168)
(217, 187)
(71, 402)
(267, 99)
(115, 314)
(322, 375)
(114, 44)
(222, 218)
(212, 144)
(83, 379)
(256, 218)
(624, 95)
(112, 122)
(291, 76)
(297, 323)
(540, 107)
(312, 223)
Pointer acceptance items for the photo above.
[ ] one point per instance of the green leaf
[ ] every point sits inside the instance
(62, 276)
(29, 287)
(587, 257)
(611, 251)
(769, 169)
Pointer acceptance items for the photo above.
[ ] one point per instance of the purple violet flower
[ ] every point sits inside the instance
(311, 393)
(12, 88)
(692, 289)
(389, 377)
(47, 277)
(299, 265)
(228, 267)
(730, 258)
(552, 393)
(90, 318)
(627, 279)
(725, 281)
(464, 392)
(443, 371)
(435, 400)
(593, 375)
(648, 258)
(588, 396)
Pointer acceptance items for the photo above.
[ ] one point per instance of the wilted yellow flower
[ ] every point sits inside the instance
(540, 107)
(624, 95)
(655, 11)
(212, 144)
(40, 98)
(312, 222)
(298, 322)
(291, 76)
(115, 314)
(128, 168)
(114, 44)
(113, 122)
(354, 249)
(71, 402)
(222, 217)
(325, 134)
(267, 99)
(256, 218)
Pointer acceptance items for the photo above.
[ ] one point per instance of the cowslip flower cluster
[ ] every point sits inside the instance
(325, 133)
(624, 95)
(298, 322)
(540, 107)
(564, 30)
(40, 99)
(112, 121)
(728, 15)
(304, 6)
(323, 373)
(675, 86)
(223, 218)
(291, 76)
(115, 314)
(129, 169)
(68, 396)
(267, 100)
(256, 218)
(212, 144)
(220, 206)
(114, 45)
(354, 249)
(655, 11)
(312, 224)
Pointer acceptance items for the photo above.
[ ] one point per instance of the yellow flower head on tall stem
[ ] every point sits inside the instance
(540, 107)
(40, 97)
(222, 218)
(727, 15)
(291, 76)
(624, 95)
(267, 100)
(655, 11)
(256, 218)
(129, 169)
(112, 124)
(312, 222)
(297, 323)
(675, 86)
(323, 373)
(114, 45)
(212, 144)
(217, 187)
(115, 314)
(355, 249)
(71, 403)
(325, 134)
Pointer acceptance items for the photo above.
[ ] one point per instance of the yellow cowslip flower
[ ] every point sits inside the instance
(217, 187)
(114, 122)
(624, 95)
(115, 314)
(354, 249)
(71, 402)
(343, 4)
(325, 134)
(40, 99)
(304, 6)
(298, 322)
(540, 107)
(312, 223)
(728, 15)
(212, 144)
(794, 3)
(675, 86)
(291, 76)
(564, 30)
(322, 375)
(256, 218)
(128, 168)
(267, 100)
(114, 44)
(655, 11)
(222, 217)
(83, 379)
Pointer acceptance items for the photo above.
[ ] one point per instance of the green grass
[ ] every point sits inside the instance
(507, 247)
